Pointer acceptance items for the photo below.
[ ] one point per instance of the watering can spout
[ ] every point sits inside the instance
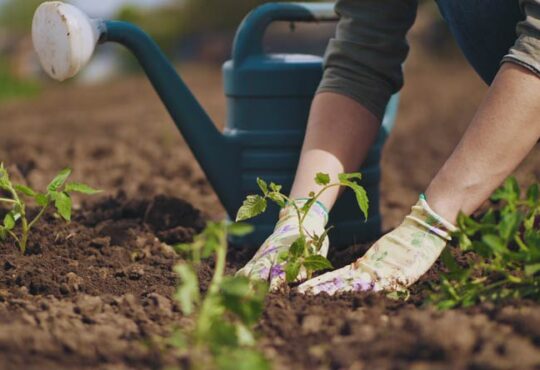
(65, 38)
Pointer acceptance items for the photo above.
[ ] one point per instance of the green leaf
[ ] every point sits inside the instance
(23, 189)
(245, 336)
(489, 217)
(262, 185)
(59, 180)
(80, 188)
(239, 229)
(41, 199)
(244, 298)
(495, 243)
(5, 182)
(361, 195)
(298, 247)
(253, 206)
(241, 358)
(222, 335)
(509, 226)
(292, 270)
(447, 304)
(63, 204)
(178, 339)
(508, 192)
(532, 238)
(345, 177)
(532, 269)
(322, 179)
(9, 221)
(320, 239)
(533, 194)
(275, 187)
(278, 198)
(3, 233)
(187, 293)
(449, 260)
(317, 263)
(283, 256)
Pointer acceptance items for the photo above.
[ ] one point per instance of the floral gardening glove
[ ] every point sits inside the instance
(395, 261)
(266, 264)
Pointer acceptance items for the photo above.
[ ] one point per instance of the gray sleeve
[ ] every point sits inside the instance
(526, 49)
(364, 60)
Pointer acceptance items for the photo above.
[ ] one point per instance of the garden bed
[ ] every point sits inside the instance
(97, 293)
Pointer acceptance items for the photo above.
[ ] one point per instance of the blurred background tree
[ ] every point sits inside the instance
(16, 15)
(184, 18)
(201, 30)
(16, 58)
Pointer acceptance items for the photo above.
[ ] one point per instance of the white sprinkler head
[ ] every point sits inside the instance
(64, 38)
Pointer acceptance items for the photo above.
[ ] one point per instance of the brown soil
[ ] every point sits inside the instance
(96, 293)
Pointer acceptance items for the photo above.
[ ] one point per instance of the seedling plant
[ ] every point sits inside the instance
(57, 194)
(304, 251)
(502, 250)
(222, 336)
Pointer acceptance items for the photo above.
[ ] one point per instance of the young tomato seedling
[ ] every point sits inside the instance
(502, 249)
(303, 252)
(57, 194)
(222, 336)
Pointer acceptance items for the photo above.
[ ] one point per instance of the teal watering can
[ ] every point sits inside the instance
(268, 98)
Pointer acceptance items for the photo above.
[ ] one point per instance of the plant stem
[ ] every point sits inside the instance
(316, 197)
(38, 216)
(14, 236)
(7, 200)
(204, 320)
(24, 222)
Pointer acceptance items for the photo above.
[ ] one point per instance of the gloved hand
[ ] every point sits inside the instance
(395, 261)
(265, 264)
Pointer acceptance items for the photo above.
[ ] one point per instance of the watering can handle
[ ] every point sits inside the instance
(249, 38)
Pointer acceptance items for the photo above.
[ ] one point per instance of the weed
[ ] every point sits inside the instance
(505, 258)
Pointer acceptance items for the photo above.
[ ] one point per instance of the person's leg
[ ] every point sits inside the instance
(338, 137)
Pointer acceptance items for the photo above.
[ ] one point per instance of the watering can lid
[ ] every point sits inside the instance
(273, 75)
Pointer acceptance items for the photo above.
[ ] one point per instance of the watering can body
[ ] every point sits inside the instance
(268, 98)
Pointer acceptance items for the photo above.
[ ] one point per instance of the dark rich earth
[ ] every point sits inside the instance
(96, 293)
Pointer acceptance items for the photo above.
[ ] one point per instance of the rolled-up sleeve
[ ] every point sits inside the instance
(364, 60)
(526, 49)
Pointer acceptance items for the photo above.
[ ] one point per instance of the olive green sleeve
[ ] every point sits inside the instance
(364, 60)
(526, 49)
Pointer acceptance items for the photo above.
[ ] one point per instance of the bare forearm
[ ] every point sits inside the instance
(339, 134)
(504, 129)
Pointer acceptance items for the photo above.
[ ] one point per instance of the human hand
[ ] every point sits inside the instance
(266, 263)
(395, 261)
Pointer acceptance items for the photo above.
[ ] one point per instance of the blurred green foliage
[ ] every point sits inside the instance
(12, 87)
(16, 15)
(182, 18)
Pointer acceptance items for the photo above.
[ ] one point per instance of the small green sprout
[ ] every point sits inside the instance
(222, 336)
(57, 194)
(303, 252)
(502, 249)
